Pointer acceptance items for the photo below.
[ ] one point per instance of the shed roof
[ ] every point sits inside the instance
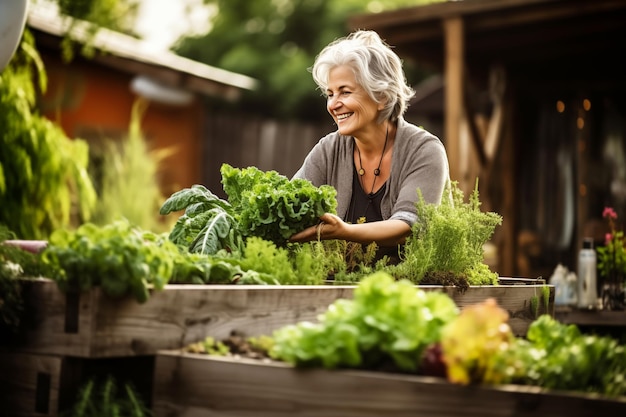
(565, 40)
(136, 56)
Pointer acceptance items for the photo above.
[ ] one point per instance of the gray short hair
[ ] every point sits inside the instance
(376, 67)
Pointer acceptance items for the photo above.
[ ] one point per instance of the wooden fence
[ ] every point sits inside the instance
(243, 140)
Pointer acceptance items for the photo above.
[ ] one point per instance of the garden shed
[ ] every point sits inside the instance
(533, 106)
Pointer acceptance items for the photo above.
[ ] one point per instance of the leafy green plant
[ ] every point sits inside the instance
(558, 356)
(270, 206)
(392, 325)
(124, 260)
(283, 265)
(119, 257)
(208, 223)
(387, 322)
(479, 347)
(448, 239)
(198, 268)
(44, 184)
(346, 262)
(471, 343)
(262, 204)
(259, 262)
(126, 178)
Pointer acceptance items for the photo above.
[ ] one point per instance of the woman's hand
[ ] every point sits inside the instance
(329, 227)
(384, 233)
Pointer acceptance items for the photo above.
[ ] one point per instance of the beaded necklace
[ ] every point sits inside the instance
(377, 170)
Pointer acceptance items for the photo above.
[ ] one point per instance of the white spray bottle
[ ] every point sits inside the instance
(587, 292)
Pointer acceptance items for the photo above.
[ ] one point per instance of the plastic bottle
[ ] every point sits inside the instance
(587, 293)
(558, 279)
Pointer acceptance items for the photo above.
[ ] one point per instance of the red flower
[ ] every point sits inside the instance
(609, 213)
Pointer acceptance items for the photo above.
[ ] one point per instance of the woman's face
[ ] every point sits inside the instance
(349, 104)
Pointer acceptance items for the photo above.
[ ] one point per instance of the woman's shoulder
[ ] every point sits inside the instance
(333, 142)
(332, 138)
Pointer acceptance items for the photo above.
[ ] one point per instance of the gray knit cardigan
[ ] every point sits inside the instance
(419, 161)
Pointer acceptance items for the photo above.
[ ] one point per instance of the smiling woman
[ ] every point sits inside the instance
(376, 160)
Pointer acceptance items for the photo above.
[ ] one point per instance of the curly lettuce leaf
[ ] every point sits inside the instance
(270, 206)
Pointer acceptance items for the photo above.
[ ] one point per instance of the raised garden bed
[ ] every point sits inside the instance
(201, 385)
(91, 324)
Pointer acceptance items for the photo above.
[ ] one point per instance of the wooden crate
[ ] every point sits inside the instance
(195, 385)
(90, 324)
(36, 385)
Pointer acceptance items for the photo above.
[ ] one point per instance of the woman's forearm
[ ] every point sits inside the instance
(384, 233)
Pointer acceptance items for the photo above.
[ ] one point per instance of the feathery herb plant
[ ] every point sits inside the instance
(448, 239)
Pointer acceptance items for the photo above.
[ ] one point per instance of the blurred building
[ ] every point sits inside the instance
(92, 98)
(531, 102)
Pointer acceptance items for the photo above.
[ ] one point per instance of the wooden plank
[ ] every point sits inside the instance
(600, 318)
(93, 325)
(189, 385)
(515, 299)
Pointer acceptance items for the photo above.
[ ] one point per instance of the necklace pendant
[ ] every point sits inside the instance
(361, 172)
(377, 172)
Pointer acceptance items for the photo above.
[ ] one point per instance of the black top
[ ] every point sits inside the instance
(365, 208)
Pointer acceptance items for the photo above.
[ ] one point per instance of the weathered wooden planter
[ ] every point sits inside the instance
(92, 325)
(201, 385)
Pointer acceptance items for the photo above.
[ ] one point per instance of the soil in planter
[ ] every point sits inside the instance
(446, 279)
(239, 345)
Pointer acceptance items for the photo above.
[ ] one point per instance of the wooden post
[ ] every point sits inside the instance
(453, 76)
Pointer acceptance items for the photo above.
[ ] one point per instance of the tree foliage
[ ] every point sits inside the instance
(276, 41)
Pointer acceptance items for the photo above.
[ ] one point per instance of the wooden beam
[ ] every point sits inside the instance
(507, 247)
(454, 51)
